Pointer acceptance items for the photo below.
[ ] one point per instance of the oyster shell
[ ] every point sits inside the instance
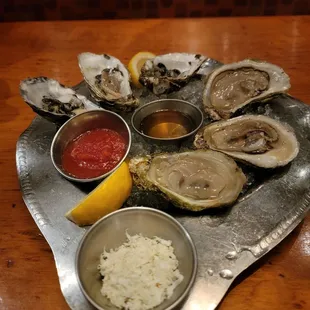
(108, 80)
(256, 139)
(52, 100)
(232, 86)
(193, 180)
(169, 72)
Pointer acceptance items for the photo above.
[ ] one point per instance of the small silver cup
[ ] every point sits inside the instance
(81, 123)
(184, 107)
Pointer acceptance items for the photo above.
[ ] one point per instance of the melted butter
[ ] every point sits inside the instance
(166, 124)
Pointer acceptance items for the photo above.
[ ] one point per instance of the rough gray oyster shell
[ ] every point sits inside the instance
(232, 86)
(108, 81)
(52, 100)
(256, 139)
(169, 72)
(193, 180)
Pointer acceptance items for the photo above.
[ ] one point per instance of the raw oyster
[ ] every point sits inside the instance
(193, 180)
(232, 86)
(108, 80)
(169, 72)
(53, 101)
(256, 139)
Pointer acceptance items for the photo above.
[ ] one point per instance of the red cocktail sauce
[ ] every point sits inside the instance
(93, 153)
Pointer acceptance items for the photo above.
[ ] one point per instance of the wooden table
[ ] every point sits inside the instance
(28, 279)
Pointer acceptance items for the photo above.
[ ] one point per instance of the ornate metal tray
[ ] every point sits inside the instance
(227, 241)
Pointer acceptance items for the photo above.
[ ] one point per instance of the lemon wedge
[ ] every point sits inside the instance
(107, 197)
(135, 65)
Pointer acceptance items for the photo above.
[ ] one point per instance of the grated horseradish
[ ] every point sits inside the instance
(140, 274)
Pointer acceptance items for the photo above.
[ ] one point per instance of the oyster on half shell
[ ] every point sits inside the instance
(256, 139)
(53, 101)
(169, 72)
(193, 180)
(108, 80)
(232, 86)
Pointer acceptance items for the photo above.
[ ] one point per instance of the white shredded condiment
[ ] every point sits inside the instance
(140, 274)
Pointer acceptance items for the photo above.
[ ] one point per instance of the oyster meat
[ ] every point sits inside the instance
(256, 139)
(53, 101)
(108, 80)
(193, 180)
(169, 72)
(231, 87)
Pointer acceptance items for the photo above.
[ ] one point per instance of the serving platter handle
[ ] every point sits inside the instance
(206, 295)
(69, 285)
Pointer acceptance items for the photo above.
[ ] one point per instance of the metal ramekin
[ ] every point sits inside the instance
(182, 106)
(81, 123)
(110, 232)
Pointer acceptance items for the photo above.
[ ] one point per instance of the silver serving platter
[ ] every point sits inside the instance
(228, 240)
